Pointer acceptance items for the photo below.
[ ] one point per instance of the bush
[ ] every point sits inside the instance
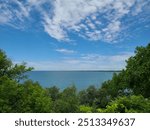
(129, 104)
(85, 109)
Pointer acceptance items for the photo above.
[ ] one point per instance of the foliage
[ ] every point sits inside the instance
(135, 79)
(8, 94)
(88, 96)
(17, 97)
(138, 71)
(53, 93)
(103, 97)
(33, 98)
(129, 104)
(28, 97)
(14, 72)
(68, 101)
(85, 109)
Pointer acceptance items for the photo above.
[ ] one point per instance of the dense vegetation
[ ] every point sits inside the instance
(128, 91)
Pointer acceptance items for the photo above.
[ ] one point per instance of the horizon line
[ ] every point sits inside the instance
(79, 70)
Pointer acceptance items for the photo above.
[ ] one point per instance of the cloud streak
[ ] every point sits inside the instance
(65, 51)
(84, 62)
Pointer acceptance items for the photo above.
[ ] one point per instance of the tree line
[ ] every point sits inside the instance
(128, 91)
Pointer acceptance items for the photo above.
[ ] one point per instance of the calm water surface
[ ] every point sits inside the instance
(63, 79)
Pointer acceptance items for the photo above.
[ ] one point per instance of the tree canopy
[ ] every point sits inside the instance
(10, 70)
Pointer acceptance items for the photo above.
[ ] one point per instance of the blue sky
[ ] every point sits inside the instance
(73, 34)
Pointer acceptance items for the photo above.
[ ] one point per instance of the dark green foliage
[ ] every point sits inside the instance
(8, 94)
(68, 101)
(88, 96)
(28, 97)
(138, 71)
(65, 101)
(103, 97)
(8, 69)
(33, 98)
(53, 93)
(16, 97)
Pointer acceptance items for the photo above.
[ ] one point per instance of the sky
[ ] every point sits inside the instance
(73, 34)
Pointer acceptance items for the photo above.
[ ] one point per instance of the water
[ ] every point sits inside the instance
(63, 79)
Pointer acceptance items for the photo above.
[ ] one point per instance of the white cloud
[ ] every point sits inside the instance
(86, 18)
(84, 62)
(72, 15)
(111, 31)
(65, 51)
(4, 17)
(69, 14)
(13, 13)
(139, 6)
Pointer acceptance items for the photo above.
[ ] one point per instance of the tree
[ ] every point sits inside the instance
(53, 93)
(135, 78)
(85, 109)
(127, 104)
(8, 94)
(68, 101)
(33, 98)
(14, 72)
(138, 71)
(88, 96)
(83, 99)
(20, 97)
(27, 97)
(103, 97)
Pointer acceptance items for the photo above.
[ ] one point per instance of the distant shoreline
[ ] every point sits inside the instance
(76, 71)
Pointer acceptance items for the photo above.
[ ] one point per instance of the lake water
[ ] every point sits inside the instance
(63, 79)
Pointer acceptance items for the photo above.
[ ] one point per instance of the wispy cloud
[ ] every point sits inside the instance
(13, 12)
(65, 51)
(90, 19)
(82, 17)
(84, 62)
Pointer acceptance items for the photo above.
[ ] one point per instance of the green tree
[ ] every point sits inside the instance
(68, 101)
(20, 97)
(85, 109)
(33, 98)
(88, 96)
(138, 71)
(127, 104)
(27, 97)
(135, 78)
(103, 97)
(14, 72)
(83, 98)
(53, 93)
(8, 94)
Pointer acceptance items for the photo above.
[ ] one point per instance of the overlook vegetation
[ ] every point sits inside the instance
(128, 91)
